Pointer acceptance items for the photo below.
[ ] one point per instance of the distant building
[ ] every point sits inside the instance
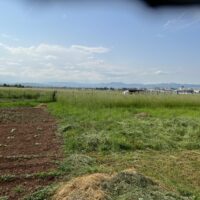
(185, 91)
(132, 91)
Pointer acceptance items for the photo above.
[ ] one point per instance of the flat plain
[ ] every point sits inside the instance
(84, 132)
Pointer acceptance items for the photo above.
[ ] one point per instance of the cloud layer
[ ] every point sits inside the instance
(52, 63)
(56, 63)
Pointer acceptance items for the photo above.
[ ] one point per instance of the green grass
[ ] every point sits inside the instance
(134, 186)
(105, 131)
(8, 95)
(90, 128)
(7, 178)
(42, 193)
(19, 189)
(107, 123)
(177, 171)
(114, 99)
(18, 104)
(4, 198)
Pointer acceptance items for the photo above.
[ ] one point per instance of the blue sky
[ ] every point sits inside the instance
(116, 42)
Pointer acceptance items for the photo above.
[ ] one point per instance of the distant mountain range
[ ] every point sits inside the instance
(116, 85)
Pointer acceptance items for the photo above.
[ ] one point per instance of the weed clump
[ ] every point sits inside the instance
(77, 164)
(3, 198)
(133, 186)
(41, 194)
(96, 141)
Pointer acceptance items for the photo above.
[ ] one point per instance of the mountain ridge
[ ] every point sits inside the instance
(115, 85)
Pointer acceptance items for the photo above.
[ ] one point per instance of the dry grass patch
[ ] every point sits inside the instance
(177, 170)
(83, 188)
(125, 185)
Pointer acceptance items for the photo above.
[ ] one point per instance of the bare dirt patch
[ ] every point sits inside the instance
(28, 145)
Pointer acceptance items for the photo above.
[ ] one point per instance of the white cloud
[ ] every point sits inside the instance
(182, 21)
(53, 63)
(9, 37)
(160, 72)
(90, 49)
(56, 63)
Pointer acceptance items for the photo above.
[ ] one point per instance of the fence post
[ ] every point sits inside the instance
(54, 96)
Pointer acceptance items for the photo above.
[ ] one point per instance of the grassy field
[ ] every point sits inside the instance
(105, 131)
(24, 97)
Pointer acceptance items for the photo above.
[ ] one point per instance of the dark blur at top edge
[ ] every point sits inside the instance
(171, 3)
(149, 3)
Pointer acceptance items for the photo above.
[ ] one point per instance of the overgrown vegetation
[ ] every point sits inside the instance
(79, 164)
(93, 99)
(16, 94)
(131, 129)
(120, 123)
(42, 193)
(105, 131)
(134, 186)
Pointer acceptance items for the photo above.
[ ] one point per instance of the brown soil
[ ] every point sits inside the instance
(28, 145)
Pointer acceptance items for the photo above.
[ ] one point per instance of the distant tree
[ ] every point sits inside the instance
(6, 85)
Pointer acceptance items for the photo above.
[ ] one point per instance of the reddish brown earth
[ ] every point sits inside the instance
(28, 145)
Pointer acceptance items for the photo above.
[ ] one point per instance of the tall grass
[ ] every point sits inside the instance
(101, 99)
(109, 99)
(102, 121)
(14, 94)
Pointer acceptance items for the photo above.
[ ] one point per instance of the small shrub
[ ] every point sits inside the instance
(4, 198)
(42, 194)
(7, 178)
(77, 164)
(19, 189)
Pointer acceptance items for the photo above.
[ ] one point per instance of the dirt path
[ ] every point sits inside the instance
(28, 146)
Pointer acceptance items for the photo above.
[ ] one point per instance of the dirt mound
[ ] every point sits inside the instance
(83, 188)
(126, 185)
